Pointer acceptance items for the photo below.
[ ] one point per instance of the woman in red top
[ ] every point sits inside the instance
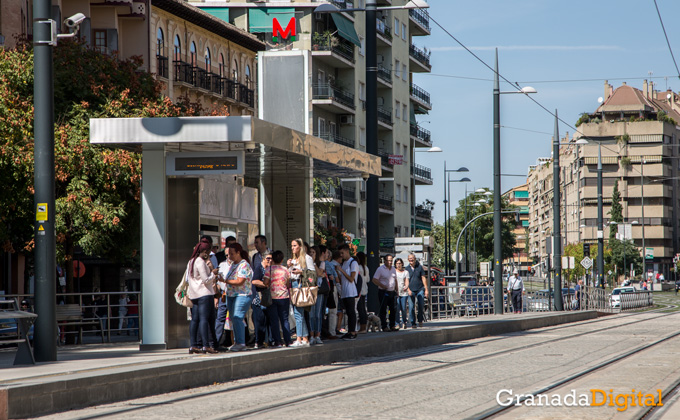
(278, 278)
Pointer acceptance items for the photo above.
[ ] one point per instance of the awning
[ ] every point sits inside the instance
(219, 12)
(346, 29)
(420, 110)
(413, 114)
(260, 19)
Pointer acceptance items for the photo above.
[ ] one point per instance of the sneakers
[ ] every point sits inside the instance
(238, 347)
(305, 344)
(296, 344)
(318, 340)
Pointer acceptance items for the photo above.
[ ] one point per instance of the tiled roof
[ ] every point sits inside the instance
(629, 99)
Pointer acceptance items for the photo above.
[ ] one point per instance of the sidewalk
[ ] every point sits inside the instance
(103, 373)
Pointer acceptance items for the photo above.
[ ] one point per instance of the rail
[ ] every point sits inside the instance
(162, 66)
(421, 133)
(384, 115)
(421, 17)
(420, 93)
(384, 74)
(419, 55)
(328, 91)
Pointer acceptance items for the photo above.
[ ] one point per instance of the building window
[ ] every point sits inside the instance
(362, 136)
(208, 60)
(362, 91)
(100, 40)
(406, 196)
(234, 71)
(404, 113)
(160, 43)
(405, 154)
(397, 230)
(397, 68)
(404, 73)
(403, 31)
(362, 48)
(221, 64)
(248, 77)
(178, 49)
(396, 27)
(192, 54)
(397, 110)
(398, 192)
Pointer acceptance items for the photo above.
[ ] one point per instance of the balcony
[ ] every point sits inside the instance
(347, 195)
(420, 60)
(421, 174)
(334, 51)
(184, 72)
(385, 160)
(384, 118)
(384, 33)
(385, 202)
(246, 96)
(422, 98)
(423, 213)
(201, 78)
(344, 4)
(421, 137)
(162, 66)
(419, 22)
(332, 98)
(385, 76)
(336, 139)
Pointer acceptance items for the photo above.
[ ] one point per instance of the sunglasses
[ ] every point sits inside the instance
(268, 258)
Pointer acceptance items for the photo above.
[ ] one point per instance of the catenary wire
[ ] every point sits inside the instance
(666, 36)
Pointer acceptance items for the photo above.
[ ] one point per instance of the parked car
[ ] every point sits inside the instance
(479, 297)
(541, 300)
(615, 296)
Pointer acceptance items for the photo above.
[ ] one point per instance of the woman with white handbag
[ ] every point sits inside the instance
(299, 266)
(201, 289)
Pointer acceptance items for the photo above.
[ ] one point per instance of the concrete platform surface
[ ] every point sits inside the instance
(97, 374)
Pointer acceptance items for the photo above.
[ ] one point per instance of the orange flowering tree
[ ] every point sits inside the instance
(332, 237)
(97, 189)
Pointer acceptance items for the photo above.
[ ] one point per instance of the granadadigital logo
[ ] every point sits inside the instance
(596, 398)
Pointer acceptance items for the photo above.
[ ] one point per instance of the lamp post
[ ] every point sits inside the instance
(434, 149)
(642, 208)
(497, 220)
(372, 208)
(448, 216)
(447, 210)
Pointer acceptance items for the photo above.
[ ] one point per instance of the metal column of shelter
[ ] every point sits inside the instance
(170, 211)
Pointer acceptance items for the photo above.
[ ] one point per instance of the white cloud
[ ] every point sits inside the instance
(535, 48)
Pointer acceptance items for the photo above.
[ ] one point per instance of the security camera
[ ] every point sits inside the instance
(75, 20)
(365, 176)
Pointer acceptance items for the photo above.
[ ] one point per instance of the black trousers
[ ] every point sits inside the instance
(517, 300)
(361, 308)
(351, 314)
(388, 300)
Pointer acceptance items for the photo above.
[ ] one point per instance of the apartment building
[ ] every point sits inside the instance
(519, 198)
(336, 45)
(636, 132)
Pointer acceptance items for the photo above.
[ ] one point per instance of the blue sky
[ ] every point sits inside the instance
(542, 44)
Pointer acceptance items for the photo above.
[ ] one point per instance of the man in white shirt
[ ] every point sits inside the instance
(515, 289)
(385, 278)
(348, 275)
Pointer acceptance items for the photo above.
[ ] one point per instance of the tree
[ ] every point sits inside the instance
(624, 251)
(97, 189)
(616, 211)
(576, 250)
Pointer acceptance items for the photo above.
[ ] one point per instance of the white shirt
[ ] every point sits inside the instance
(387, 277)
(366, 277)
(296, 265)
(349, 289)
(401, 281)
(224, 268)
(515, 283)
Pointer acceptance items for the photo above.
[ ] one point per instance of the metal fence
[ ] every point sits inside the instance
(107, 310)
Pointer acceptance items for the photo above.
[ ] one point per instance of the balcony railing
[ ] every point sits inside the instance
(421, 133)
(336, 139)
(422, 172)
(336, 45)
(385, 202)
(228, 88)
(184, 72)
(328, 91)
(201, 78)
(385, 74)
(421, 17)
(423, 212)
(385, 158)
(348, 194)
(419, 55)
(246, 96)
(384, 115)
(162, 66)
(344, 4)
(382, 28)
(420, 93)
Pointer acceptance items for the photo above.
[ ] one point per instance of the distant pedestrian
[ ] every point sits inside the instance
(365, 276)
(402, 292)
(385, 278)
(278, 278)
(418, 290)
(239, 292)
(516, 289)
(297, 266)
(348, 274)
(122, 312)
(201, 282)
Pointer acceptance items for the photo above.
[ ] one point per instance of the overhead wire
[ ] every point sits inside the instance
(666, 36)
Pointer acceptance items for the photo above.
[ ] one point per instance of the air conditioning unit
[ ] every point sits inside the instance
(346, 119)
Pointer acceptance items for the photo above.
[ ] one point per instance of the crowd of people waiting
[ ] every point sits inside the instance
(234, 296)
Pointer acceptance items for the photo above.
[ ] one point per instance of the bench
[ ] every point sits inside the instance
(9, 311)
(71, 315)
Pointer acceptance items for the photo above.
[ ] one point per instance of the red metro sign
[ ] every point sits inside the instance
(290, 30)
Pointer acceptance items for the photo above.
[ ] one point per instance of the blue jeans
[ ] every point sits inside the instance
(238, 306)
(278, 314)
(301, 327)
(260, 323)
(220, 320)
(317, 313)
(420, 297)
(200, 321)
(403, 309)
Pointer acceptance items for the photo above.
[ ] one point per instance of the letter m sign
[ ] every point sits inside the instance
(289, 31)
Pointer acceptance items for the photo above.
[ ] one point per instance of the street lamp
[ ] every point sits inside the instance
(497, 221)
(448, 216)
(433, 149)
(372, 208)
(447, 198)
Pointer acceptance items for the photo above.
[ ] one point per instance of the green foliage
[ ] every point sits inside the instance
(97, 189)
(323, 194)
(626, 248)
(576, 250)
(663, 116)
(584, 118)
(625, 162)
(624, 139)
(616, 211)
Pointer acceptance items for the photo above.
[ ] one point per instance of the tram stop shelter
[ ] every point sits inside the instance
(235, 166)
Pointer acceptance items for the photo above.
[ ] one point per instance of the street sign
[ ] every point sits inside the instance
(649, 253)
(586, 250)
(408, 248)
(587, 263)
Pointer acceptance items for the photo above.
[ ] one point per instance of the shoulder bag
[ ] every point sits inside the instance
(181, 296)
(304, 295)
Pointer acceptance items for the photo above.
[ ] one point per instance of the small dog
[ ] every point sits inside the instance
(373, 323)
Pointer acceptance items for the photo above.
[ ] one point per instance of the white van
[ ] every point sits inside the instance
(615, 297)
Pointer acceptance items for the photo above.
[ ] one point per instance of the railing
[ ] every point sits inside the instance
(422, 172)
(336, 139)
(201, 78)
(336, 45)
(384, 115)
(245, 95)
(108, 311)
(384, 74)
(184, 72)
(162, 66)
(420, 133)
(383, 29)
(420, 93)
(421, 17)
(344, 4)
(419, 55)
(229, 88)
(385, 159)
(349, 194)
(423, 212)
(328, 91)
(385, 202)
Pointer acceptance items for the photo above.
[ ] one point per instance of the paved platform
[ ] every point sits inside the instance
(98, 374)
